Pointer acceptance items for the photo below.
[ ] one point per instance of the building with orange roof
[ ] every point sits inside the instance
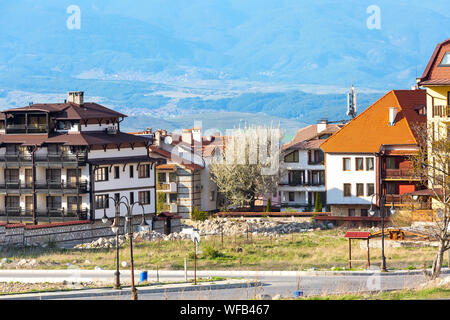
(302, 168)
(368, 159)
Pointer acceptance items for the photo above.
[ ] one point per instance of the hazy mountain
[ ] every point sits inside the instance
(169, 58)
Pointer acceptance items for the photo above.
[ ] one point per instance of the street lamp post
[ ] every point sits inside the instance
(372, 213)
(115, 229)
(143, 226)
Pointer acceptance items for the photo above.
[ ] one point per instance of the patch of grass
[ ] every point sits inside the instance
(408, 294)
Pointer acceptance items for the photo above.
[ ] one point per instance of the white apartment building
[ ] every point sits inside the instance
(302, 168)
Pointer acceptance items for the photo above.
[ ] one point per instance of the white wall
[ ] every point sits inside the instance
(335, 177)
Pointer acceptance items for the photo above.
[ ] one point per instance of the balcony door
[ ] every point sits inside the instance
(12, 204)
(53, 176)
(29, 205)
(72, 175)
(28, 177)
(73, 203)
(12, 176)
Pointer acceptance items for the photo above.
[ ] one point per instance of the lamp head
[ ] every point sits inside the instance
(104, 218)
(115, 226)
(393, 210)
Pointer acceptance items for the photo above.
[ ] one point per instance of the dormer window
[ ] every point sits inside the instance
(445, 62)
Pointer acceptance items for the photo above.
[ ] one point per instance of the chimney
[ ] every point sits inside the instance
(157, 140)
(322, 125)
(186, 136)
(76, 97)
(392, 115)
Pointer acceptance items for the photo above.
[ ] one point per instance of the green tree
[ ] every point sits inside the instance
(269, 205)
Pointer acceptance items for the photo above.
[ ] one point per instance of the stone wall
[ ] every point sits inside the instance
(74, 231)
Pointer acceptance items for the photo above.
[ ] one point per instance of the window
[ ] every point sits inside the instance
(53, 149)
(12, 175)
(144, 197)
(73, 203)
(351, 212)
(172, 177)
(12, 202)
(53, 175)
(101, 201)
(346, 164)
(53, 202)
(359, 189)
(318, 177)
(391, 188)
(212, 196)
(370, 189)
(291, 196)
(359, 164)
(364, 213)
(390, 163)
(173, 198)
(291, 157)
(131, 171)
(162, 177)
(369, 164)
(445, 62)
(72, 175)
(11, 149)
(315, 156)
(144, 171)
(347, 190)
(117, 197)
(116, 172)
(101, 174)
(296, 177)
(132, 197)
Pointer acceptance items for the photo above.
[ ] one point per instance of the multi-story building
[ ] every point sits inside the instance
(302, 169)
(368, 159)
(183, 178)
(62, 161)
(436, 80)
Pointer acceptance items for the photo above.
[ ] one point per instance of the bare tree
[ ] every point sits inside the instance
(249, 167)
(431, 164)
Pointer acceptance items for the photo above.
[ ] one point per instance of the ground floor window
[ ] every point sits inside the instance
(101, 201)
(291, 196)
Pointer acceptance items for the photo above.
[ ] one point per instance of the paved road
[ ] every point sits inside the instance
(273, 283)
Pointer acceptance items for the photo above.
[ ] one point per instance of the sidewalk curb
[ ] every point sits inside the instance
(126, 290)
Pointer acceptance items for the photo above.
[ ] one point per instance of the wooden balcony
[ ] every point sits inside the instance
(401, 200)
(400, 174)
(440, 111)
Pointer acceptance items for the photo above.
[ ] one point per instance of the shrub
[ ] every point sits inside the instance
(269, 205)
(318, 203)
(199, 215)
(211, 253)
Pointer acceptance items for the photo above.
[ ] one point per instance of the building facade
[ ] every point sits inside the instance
(63, 161)
(302, 168)
(368, 161)
(183, 177)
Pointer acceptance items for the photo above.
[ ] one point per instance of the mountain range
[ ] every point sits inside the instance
(163, 62)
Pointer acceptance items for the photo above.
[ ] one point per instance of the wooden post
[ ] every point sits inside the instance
(349, 253)
(185, 269)
(368, 254)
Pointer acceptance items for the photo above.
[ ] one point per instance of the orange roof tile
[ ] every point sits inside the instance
(369, 130)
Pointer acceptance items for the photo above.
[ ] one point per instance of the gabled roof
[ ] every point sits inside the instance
(433, 73)
(308, 137)
(174, 158)
(71, 111)
(370, 129)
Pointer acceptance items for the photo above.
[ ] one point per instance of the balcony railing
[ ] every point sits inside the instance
(49, 215)
(170, 187)
(25, 187)
(407, 201)
(441, 111)
(400, 174)
(24, 158)
(303, 184)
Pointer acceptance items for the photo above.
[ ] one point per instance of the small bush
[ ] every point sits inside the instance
(212, 253)
(199, 215)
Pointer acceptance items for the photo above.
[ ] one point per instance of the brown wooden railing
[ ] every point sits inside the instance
(441, 111)
(400, 173)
